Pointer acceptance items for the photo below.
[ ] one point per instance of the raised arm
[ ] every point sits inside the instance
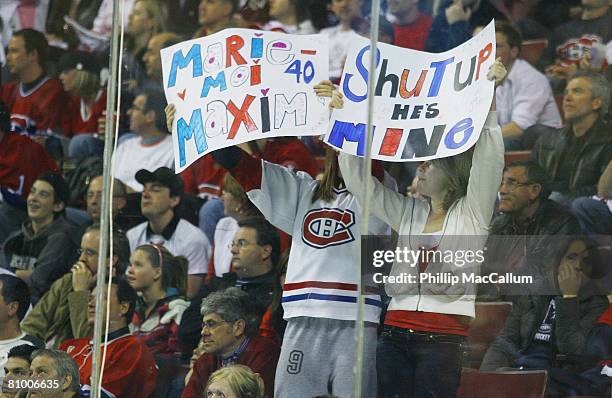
(388, 205)
(487, 161)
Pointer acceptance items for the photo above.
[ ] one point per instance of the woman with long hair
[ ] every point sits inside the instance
(80, 76)
(320, 292)
(420, 351)
(161, 281)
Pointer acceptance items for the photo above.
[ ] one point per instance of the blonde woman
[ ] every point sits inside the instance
(80, 76)
(236, 381)
(421, 347)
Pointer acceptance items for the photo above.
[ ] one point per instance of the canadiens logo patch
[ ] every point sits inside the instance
(328, 227)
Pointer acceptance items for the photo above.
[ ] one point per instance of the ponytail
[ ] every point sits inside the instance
(330, 180)
(174, 268)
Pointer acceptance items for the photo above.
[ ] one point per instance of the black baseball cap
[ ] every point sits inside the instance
(79, 60)
(165, 177)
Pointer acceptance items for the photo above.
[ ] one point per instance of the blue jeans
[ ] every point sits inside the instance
(594, 216)
(413, 364)
(210, 214)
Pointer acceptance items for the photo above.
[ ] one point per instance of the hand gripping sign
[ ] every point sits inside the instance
(426, 105)
(240, 85)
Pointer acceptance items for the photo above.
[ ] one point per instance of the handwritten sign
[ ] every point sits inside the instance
(426, 105)
(240, 85)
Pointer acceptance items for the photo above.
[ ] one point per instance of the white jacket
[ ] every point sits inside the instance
(466, 225)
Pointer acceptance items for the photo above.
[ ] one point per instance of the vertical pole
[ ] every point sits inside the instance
(365, 206)
(106, 200)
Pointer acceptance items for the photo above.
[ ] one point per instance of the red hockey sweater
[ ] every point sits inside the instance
(129, 371)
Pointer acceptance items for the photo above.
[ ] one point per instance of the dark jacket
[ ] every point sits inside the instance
(529, 248)
(265, 292)
(574, 319)
(549, 151)
(49, 253)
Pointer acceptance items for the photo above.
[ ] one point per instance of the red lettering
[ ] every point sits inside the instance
(404, 93)
(483, 55)
(255, 75)
(232, 45)
(241, 116)
(391, 142)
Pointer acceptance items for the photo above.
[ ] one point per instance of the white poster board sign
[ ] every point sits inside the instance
(426, 105)
(241, 85)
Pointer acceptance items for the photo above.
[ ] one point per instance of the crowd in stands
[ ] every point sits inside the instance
(239, 276)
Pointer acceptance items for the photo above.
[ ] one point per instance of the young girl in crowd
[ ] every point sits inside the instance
(320, 291)
(421, 347)
(161, 280)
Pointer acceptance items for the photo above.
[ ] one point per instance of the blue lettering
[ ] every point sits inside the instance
(462, 125)
(180, 62)
(218, 81)
(346, 131)
(440, 67)
(185, 132)
(363, 71)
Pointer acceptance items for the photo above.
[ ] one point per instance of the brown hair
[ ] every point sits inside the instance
(87, 84)
(456, 169)
(331, 178)
(174, 268)
(231, 185)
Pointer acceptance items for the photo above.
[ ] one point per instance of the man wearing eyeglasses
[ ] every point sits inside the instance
(526, 221)
(229, 336)
(152, 148)
(254, 252)
(61, 313)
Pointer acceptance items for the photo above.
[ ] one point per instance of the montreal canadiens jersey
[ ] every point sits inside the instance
(323, 269)
(38, 110)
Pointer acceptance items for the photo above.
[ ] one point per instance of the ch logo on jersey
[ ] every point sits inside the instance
(328, 227)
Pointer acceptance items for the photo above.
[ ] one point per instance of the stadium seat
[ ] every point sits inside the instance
(511, 156)
(511, 384)
(489, 321)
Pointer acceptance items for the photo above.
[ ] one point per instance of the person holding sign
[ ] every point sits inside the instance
(421, 348)
(320, 291)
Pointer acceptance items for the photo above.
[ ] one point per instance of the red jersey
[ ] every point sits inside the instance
(21, 162)
(204, 178)
(37, 110)
(261, 356)
(77, 120)
(291, 153)
(129, 371)
(606, 317)
(413, 35)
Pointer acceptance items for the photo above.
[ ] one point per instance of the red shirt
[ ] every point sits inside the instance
(606, 317)
(413, 35)
(21, 162)
(291, 153)
(261, 355)
(129, 371)
(75, 122)
(37, 110)
(204, 177)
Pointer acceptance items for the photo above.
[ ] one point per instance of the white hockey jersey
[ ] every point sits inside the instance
(323, 269)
